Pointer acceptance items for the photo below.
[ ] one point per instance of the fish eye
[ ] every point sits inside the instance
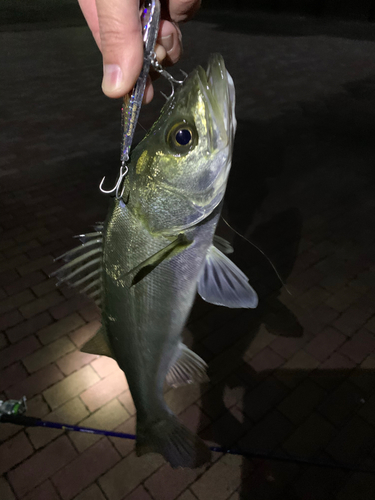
(182, 138)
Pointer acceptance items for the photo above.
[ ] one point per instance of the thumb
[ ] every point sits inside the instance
(121, 45)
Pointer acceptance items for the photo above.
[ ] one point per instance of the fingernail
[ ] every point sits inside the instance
(112, 77)
(167, 42)
(160, 52)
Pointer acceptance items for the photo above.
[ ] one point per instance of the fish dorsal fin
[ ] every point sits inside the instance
(83, 265)
(223, 245)
(187, 369)
(98, 344)
(223, 284)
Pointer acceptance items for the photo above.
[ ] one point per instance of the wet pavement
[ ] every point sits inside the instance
(294, 376)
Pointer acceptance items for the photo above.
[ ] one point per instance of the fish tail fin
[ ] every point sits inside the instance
(178, 445)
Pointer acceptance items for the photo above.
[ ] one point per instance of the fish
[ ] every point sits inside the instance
(157, 248)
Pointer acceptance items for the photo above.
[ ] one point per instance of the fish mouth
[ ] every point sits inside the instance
(218, 89)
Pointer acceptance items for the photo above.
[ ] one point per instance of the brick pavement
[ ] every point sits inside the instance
(296, 375)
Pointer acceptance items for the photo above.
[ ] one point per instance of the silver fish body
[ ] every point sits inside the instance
(155, 251)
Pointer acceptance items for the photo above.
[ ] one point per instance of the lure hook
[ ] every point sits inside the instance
(159, 69)
(116, 189)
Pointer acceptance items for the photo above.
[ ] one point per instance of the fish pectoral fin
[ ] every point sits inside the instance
(98, 344)
(147, 266)
(222, 283)
(188, 368)
(223, 245)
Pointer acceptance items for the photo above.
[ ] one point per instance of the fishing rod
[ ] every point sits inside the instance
(12, 412)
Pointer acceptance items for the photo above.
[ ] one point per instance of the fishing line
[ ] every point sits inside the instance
(261, 251)
(273, 457)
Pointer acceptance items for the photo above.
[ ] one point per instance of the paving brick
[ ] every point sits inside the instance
(359, 346)
(341, 403)
(87, 467)
(167, 483)
(56, 235)
(298, 367)
(317, 482)
(10, 319)
(268, 433)
(222, 396)
(104, 390)
(37, 407)
(82, 335)
(353, 442)
(125, 476)
(25, 282)
(35, 383)
(41, 465)
(93, 492)
(312, 436)
(266, 360)
(104, 366)
(42, 304)
(228, 429)
(181, 398)
(28, 327)
(69, 306)
(342, 299)
(325, 343)
(302, 401)
(18, 351)
(20, 248)
(351, 320)
(71, 413)
(14, 451)
(70, 387)
(222, 479)
(139, 494)
(370, 325)
(5, 490)
(194, 419)
(3, 341)
(12, 375)
(7, 277)
(359, 486)
(264, 397)
(48, 354)
(90, 312)
(313, 297)
(287, 346)
(261, 340)
(9, 264)
(15, 301)
(8, 430)
(45, 286)
(108, 416)
(186, 495)
(45, 491)
(60, 328)
(333, 371)
(29, 235)
(126, 400)
(34, 265)
(43, 250)
(125, 446)
(74, 361)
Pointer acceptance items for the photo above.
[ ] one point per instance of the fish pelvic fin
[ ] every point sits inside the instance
(177, 444)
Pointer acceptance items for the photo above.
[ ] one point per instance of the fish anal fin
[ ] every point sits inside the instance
(222, 283)
(146, 267)
(189, 368)
(98, 344)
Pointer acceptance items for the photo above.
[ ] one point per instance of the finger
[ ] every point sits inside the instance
(170, 39)
(149, 92)
(182, 10)
(121, 45)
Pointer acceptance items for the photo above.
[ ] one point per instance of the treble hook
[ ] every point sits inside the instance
(123, 171)
(159, 68)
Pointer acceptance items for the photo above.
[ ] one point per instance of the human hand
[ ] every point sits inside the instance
(116, 28)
